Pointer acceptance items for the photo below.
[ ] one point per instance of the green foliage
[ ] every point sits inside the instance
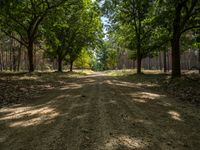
(106, 57)
(84, 60)
(135, 27)
(77, 27)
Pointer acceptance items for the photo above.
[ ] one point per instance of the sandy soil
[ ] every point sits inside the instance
(100, 112)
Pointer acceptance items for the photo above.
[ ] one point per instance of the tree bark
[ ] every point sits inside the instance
(139, 57)
(133, 63)
(175, 43)
(139, 64)
(3, 63)
(60, 65)
(149, 63)
(10, 59)
(199, 60)
(6, 62)
(165, 61)
(19, 58)
(71, 65)
(30, 56)
(160, 60)
(176, 67)
(14, 61)
(1, 60)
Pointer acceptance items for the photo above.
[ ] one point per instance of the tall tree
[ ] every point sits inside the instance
(23, 18)
(77, 27)
(136, 21)
(185, 15)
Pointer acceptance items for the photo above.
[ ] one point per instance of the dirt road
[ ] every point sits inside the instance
(100, 112)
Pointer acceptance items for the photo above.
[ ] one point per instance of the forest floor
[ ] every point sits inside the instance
(98, 111)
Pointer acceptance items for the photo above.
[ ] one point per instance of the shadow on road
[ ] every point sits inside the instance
(100, 112)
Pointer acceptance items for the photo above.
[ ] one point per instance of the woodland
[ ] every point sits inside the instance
(99, 74)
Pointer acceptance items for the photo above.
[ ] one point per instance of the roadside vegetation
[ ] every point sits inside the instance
(99, 74)
(185, 88)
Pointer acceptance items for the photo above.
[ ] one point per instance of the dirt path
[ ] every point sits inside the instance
(99, 112)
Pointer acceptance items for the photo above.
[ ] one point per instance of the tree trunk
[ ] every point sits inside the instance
(176, 67)
(14, 60)
(6, 62)
(25, 62)
(19, 58)
(60, 65)
(1, 60)
(133, 63)
(149, 63)
(35, 59)
(165, 61)
(199, 60)
(10, 59)
(71, 65)
(160, 60)
(139, 64)
(30, 56)
(139, 57)
(175, 43)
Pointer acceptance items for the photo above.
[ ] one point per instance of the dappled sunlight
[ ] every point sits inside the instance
(175, 115)
(75, 106)
(64, 97)
(2, 139)
(107, 102)
(146, 122)
(28, 78)
(71, 86)
(130, 84)
(79, 117)
(125, 141)
(146, 85)
(164, 103)
(121, 83)
(89, 81)
(28, 116)
(46, 87)
(144, 97)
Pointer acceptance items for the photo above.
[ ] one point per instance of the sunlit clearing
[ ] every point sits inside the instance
(144, 97)
(126, 141)
(175, 115)
(28, 116)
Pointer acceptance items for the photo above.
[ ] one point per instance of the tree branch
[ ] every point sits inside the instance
(189, 28)
(13, 37)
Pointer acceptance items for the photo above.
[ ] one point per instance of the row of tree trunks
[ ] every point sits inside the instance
(189, 60)
(10, 59)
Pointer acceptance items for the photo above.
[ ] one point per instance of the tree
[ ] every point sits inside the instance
(23, 18)
(136, 23)
(184, 15)
(84, 59)
(77, 27)
(87, 32)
